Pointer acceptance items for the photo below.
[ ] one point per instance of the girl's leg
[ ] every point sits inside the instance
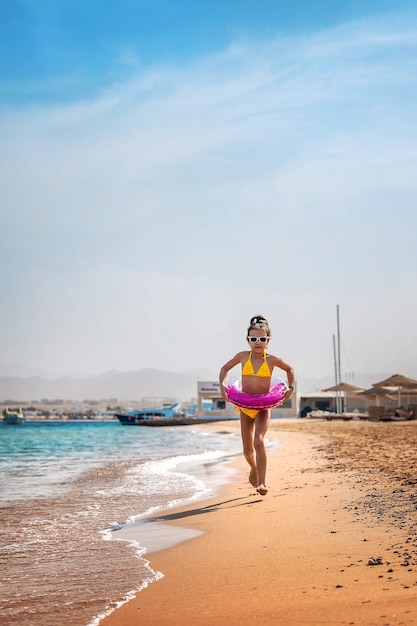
(247, 427)
(261, 426)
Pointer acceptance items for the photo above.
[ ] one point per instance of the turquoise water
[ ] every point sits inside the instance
(65, 488)
(41, 459)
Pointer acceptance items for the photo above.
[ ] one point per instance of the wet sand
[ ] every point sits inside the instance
(333, 542)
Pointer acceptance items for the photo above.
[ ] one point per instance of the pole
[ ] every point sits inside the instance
(335, 373)
(338, 349)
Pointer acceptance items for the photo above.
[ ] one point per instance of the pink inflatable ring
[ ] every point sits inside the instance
(263, 401)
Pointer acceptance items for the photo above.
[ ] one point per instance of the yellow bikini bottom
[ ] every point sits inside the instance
(250, 412)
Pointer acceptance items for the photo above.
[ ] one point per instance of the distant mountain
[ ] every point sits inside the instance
(135, 385)
(125, 386)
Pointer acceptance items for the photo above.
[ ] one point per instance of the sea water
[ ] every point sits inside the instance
(66, 490)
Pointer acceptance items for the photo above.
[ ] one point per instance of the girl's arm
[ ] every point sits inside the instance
(278, 362)
(223, 372)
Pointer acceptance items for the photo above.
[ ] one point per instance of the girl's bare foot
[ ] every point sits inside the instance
(262, 490)
(253, 478)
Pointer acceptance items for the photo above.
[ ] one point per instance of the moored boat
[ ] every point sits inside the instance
(168, 416)
(13, 416)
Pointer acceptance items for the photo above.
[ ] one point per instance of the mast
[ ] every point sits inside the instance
(335, 373)
(338, 354)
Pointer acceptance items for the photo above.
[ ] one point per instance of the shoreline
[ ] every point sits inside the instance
(312, 551)
(153, 535)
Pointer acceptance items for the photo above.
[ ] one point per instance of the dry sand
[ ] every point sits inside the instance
(333, 542)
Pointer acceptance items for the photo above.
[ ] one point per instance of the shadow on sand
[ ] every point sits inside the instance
(210, 508)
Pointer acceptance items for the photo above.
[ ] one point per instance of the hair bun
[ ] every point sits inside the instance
(258, 319)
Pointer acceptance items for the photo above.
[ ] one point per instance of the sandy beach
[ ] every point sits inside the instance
(333, 542)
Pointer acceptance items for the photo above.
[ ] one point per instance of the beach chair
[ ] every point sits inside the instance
(376, 412)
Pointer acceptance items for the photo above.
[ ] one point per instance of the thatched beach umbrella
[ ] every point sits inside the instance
(399, 382)
(346, 389)
(376, 393)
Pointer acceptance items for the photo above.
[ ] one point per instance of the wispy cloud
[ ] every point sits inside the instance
(273, 175)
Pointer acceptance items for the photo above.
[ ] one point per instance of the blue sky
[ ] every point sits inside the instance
(171, 169)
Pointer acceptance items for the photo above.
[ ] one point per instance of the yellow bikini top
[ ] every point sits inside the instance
(263, 371)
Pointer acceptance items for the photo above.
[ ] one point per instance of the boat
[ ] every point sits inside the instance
(165, 416)
(13, 416)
